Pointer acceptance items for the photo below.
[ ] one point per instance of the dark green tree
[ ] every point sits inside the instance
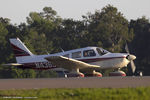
(140, 44)
(108, 28)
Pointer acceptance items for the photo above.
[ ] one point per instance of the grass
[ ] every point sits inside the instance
(140, 93)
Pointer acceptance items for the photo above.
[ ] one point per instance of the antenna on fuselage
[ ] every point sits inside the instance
(47, 52)
(62, 50)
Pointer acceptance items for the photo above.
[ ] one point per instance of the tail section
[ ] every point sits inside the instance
(20, 50)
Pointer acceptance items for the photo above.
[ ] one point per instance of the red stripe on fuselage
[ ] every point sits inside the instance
(99, 59)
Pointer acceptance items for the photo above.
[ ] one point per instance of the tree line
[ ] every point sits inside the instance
(46, 32)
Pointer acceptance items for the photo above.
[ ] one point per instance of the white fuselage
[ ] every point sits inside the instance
(105, 61)
(95, 58)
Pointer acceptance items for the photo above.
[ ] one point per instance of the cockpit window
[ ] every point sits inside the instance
(89, 53)
(76, 54)
(101, 51)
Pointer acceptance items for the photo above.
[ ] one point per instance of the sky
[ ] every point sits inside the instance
(18, 10)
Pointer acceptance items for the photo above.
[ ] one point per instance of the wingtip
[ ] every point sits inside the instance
(12, 64)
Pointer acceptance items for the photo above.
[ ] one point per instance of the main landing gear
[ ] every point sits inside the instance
(117, 73)
(75, 73)
(93, 74)
(97, 74)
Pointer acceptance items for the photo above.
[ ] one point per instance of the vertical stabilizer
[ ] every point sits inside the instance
(20, 50)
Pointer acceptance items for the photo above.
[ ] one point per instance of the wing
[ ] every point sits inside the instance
(69, 63)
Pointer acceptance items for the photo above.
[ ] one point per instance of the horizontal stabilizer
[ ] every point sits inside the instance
(12, 64)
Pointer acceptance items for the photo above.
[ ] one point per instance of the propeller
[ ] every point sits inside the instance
(133, 67)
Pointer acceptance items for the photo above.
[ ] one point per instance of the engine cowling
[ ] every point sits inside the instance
(117, 73)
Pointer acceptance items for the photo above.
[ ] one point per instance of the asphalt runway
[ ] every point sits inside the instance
(89, 82)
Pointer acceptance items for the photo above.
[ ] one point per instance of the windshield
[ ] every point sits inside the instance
(101, 51)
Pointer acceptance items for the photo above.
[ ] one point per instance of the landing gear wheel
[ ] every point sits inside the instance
(75, 73)
(117, 73)
(97, 74)
(93, 74)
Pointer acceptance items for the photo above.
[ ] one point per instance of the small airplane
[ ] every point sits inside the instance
(73, 63)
